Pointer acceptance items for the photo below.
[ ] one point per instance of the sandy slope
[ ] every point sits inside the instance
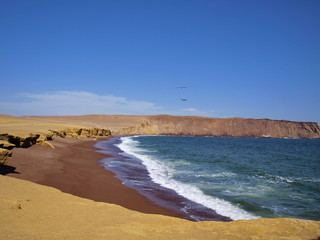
(23, 126)
(32, 211)
(112, 122)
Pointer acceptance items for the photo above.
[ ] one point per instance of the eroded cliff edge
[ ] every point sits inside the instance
(223, 127)
(190, 125)
(21, 133)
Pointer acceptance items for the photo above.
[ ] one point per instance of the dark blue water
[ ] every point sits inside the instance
(240, 178)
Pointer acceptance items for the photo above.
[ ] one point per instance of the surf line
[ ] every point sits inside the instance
(161, 174)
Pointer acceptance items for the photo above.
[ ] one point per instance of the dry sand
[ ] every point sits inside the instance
(22, 126)
(112, 122)
(32, 211)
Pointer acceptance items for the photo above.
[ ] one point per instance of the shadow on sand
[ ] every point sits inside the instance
(6, 169)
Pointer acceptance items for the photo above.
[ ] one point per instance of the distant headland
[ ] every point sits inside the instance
(190, 125)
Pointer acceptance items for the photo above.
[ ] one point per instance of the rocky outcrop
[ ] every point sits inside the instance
(8, 141)
(6, 145)
(20, 141)
(4, 155)
(81, 132)
(142, 129)
(227, 127)
(46, 144)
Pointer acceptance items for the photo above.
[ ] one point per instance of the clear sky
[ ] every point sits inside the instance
(236, 58)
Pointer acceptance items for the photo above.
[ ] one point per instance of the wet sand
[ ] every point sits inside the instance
(73, 167)
(136, 176)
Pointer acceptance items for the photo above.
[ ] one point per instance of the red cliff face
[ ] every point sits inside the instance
(196, 126)
(228, 127)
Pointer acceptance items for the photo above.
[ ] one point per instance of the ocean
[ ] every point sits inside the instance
(223, 179)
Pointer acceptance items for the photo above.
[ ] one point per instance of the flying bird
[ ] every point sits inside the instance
(183, 99)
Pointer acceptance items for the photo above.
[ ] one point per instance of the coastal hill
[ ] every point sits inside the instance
(191, 125)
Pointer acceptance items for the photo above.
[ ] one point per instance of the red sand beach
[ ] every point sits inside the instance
(73, 167)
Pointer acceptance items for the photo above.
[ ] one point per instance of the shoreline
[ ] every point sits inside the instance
(135, 175)
(74, 167)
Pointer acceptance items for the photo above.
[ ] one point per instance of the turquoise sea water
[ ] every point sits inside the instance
(239, 178)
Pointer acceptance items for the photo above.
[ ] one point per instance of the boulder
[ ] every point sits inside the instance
(47, 144)
(4, 155)
(6, 145)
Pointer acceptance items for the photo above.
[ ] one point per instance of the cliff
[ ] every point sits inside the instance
(190, 125)
(8, 141)
(19, 132)
(224, 127)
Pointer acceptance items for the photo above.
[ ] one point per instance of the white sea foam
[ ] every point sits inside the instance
(297, 179)
(217, 175)
(162, 174)
(275, 179)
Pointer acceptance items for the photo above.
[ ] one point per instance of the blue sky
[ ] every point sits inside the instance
(237, 58)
